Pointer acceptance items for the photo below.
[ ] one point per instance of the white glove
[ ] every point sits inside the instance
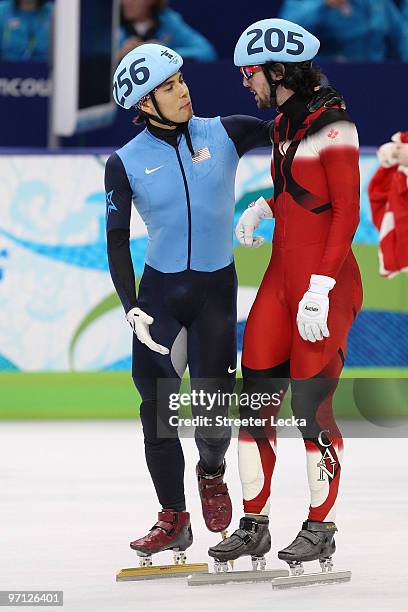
(249, 221)
(387, 154)
(139, 322)
(314, 309)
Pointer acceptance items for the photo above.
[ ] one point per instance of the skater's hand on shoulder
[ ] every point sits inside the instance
(313, 309)
(140, 322)
(249, 221)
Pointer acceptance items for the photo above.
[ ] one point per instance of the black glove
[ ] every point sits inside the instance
(327, 97)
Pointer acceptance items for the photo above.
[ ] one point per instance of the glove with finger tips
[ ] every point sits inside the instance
(249, 221)
(140, 322)
(313, 309)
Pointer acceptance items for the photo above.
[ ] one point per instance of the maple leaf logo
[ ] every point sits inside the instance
(333, 134)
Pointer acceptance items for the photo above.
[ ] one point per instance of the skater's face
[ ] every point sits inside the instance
(259, 87)
(173, 99)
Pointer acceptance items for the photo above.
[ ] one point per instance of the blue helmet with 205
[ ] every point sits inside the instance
(142, 70)
(275, 40)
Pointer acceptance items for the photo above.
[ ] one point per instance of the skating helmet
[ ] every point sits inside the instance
(141, 71)
(275, 40)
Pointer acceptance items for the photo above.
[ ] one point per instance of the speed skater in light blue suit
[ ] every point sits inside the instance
(180, 174)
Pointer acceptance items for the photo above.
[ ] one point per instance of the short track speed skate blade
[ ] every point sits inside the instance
(290, 582)
(241, 576)
(160, 571)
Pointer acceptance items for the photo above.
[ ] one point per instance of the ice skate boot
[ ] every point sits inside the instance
(171, 532)
(252, 539)
(215, 500)
(314, 542)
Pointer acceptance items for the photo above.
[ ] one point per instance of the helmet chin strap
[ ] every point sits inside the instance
(272, 85)
(164, 121)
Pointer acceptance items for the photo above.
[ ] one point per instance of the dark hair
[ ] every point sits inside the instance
(301, 77)
(139, 119)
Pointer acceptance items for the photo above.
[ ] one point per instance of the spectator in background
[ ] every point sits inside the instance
(25, 29)
(352, 30)
(153, 21)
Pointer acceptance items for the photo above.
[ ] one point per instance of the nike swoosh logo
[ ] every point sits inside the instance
(231, 370)
(147, 171)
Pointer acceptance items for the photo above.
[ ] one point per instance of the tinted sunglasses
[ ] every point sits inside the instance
(249, 71)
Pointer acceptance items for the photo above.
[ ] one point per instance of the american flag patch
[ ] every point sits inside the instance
(201, 155)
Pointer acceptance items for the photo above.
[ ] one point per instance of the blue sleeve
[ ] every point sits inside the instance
(118, 211)
(247, 132)
(307, 14)
(177, 34)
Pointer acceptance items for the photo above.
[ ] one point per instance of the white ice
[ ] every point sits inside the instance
(72, 496)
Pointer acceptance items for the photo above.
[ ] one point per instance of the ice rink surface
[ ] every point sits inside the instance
(72, 496)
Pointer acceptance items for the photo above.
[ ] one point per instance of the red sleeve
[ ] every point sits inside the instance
(339, 157)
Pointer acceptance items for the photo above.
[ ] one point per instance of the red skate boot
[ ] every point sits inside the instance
(215, 499)
(171, 532)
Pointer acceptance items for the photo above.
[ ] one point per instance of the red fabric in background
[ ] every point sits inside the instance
(388, 194)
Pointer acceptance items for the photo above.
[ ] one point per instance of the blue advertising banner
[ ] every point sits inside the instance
(25, 88)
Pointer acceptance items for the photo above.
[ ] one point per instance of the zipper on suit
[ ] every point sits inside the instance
(188, 206)
(284, 177)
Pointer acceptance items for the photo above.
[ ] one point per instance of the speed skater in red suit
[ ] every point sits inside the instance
(296, 332)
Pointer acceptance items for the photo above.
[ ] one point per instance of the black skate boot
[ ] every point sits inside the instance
(314, 541)
(251, 539)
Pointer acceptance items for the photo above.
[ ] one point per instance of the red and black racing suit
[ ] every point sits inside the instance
(316, 208)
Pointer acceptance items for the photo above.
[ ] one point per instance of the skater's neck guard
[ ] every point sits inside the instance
(172, 137)
(296, 108)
